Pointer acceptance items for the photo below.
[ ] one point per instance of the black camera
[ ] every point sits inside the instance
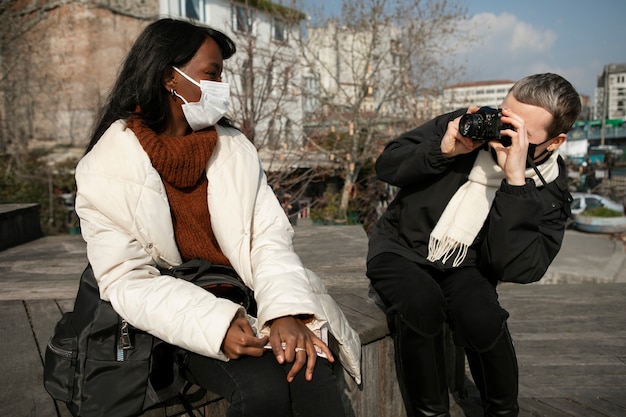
(484, 125)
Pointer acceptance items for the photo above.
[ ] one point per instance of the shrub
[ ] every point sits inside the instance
(601, 212)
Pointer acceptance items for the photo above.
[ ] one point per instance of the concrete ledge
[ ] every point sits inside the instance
(19, 223)
(587, 258)
(569, 338)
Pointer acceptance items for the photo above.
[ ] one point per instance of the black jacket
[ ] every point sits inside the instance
(523, 231)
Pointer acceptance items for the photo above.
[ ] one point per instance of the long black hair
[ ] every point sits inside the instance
(162, 44)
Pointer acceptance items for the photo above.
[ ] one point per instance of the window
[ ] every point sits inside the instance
(288, 131)
(591, 202)
(269, 80)
(242, 19)
(394, 49)
(272, 135)
(192, 9)
(279, 30)
(246, 78)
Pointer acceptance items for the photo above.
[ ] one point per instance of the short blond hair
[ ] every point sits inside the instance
(553, 93)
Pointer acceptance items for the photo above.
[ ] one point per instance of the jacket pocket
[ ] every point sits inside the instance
(60, 360)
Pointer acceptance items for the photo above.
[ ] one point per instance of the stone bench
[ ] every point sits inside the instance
(19, 223)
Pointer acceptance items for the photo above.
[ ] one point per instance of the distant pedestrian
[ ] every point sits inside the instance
(609, 162)
(590, 181)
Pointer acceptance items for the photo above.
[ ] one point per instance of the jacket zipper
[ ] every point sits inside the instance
(124, 343)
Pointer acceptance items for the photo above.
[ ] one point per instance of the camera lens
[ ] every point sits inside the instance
(471, 125)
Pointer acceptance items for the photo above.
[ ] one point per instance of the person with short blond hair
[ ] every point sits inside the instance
(482, 198)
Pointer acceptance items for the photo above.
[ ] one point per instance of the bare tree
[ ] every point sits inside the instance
(368, 72)
(263, 70)
(266, 95)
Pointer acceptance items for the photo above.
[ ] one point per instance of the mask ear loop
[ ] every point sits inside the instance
(173, 93)
(191, 80)
(173, 90)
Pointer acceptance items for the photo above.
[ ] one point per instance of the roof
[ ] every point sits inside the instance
(269, 6)
(480, 83)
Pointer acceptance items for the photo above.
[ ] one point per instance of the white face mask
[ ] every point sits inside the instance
(212, 106)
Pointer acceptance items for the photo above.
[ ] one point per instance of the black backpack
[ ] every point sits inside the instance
(100, 366)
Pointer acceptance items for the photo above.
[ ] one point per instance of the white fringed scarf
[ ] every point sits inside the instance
(467, 210)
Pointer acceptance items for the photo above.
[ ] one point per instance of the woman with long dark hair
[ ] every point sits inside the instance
(165, 179)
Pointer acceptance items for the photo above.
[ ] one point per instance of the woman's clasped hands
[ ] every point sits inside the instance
(290, 340)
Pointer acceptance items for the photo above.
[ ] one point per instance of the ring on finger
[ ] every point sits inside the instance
(299, 349)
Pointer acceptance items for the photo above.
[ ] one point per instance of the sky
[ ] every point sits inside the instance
(573, 38)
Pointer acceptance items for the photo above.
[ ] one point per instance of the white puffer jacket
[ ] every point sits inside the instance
(125, 220)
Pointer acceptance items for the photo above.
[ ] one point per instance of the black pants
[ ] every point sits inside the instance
(426, 298)
(258, 386)
(418, 301)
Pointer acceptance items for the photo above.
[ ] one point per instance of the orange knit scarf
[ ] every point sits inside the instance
(181, 162)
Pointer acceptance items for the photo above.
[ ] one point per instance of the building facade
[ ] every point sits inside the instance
(59, 59)
(481, 93)
(264, 73)
(610, 93)
(341, 70)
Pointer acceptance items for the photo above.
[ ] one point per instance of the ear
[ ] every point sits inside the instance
(169, 79)
(557, 141)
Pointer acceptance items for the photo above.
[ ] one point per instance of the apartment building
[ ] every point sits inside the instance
(264, 73)
(610, 93)
(59, 61)
(341, 69)
(480, 93)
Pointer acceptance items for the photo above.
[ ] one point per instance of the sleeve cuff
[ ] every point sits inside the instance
(507, 188)
(437, 158)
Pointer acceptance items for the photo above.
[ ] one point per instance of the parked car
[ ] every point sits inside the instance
(584, 201)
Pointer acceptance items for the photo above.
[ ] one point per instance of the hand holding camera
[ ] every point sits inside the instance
(510, 150)
(453, 143)
(485, 125)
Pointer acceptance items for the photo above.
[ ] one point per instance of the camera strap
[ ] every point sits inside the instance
(532, 164)
(564, 194)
